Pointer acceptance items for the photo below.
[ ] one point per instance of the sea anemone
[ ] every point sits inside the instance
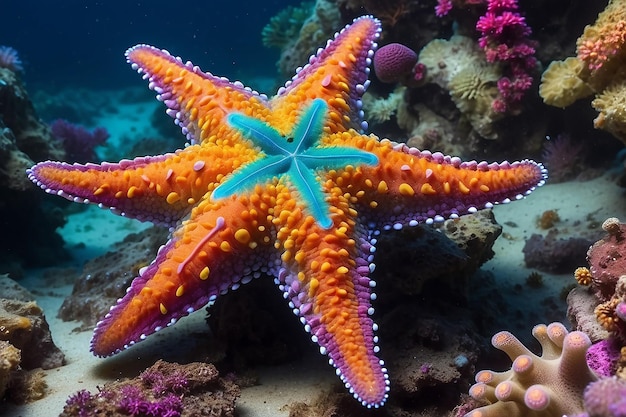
(10, 59)
(563, 157)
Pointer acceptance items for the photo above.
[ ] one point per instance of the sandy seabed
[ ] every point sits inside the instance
(301, 380)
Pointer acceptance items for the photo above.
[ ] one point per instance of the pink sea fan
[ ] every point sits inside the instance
(10, 59)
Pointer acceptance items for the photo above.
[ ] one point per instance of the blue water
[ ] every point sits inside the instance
(82, 43)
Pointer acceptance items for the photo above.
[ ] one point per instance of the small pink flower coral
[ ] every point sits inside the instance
(504, 38)
(443, 7)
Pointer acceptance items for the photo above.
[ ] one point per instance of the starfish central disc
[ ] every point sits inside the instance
(297, 157)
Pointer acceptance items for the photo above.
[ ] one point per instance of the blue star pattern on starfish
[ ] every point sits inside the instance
(294, 157)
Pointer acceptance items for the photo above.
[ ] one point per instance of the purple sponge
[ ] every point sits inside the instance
(393, 62)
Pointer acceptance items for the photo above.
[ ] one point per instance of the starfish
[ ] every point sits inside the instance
(286, 186)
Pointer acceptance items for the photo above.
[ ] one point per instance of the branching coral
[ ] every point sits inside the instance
(505, 38)
(550, 385)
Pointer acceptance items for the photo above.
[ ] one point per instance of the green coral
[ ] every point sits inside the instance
(286, 25)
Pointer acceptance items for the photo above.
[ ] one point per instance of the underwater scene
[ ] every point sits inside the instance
(329, 208)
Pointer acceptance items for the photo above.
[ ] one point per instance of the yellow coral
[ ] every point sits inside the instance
(611, 105)
(583, 276)
(600, 66)
(561, 84)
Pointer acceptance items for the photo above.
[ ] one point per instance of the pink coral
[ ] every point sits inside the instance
(443, 7)
(596, 52)
(393, 62)
(504, 38)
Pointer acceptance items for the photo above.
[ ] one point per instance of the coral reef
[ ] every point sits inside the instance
(597, 69)
(26, 344)
(607, 263)
(602, 357)
(605, 398)
(581, 305)
(165, 389)
(286, 25)
(24, 139)
(379, 109)
(548, 385)
(9, 362)
(305, 33)
(459, 66)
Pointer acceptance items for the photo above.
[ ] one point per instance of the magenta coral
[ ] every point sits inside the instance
(505, 38)
(10, 59)
(602, 357)
(443, 7)
(393, 62)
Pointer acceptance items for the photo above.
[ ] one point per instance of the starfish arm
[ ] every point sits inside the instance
(309, 130)
(338, 74)
(410, 186)
(160, 189)
(211, 252)
(307, 185)
(260, 133)
(198, 101)
(325, 278)
(333, 157)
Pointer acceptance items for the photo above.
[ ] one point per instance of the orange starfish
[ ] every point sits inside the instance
(286, 186)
